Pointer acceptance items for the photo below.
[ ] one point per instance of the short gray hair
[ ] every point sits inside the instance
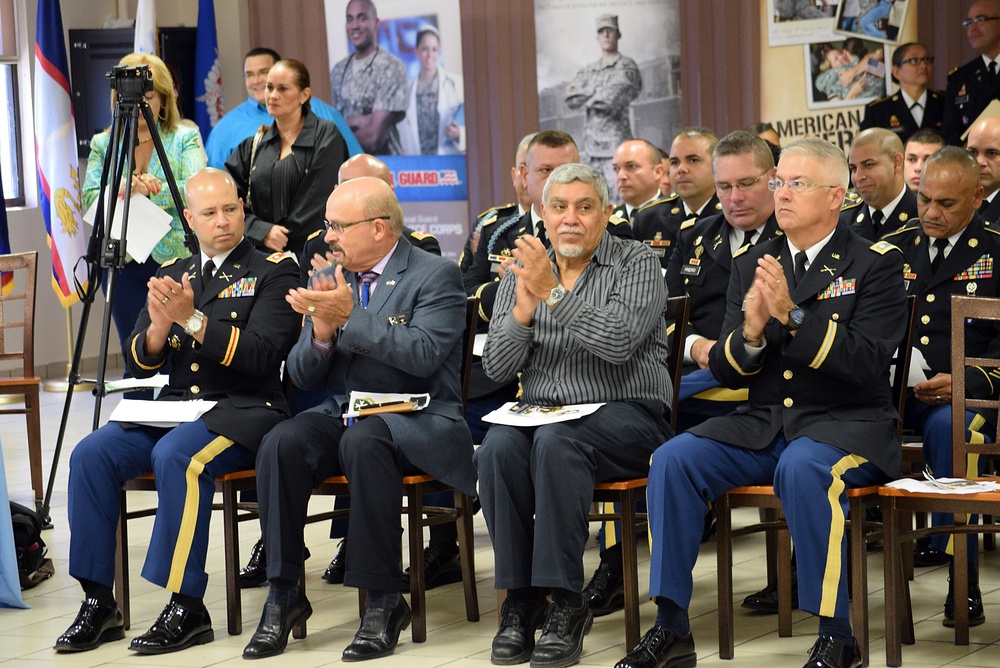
(958, 156)
(825, 151)
(575, 171)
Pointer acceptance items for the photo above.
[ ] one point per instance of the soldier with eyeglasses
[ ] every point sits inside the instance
(914, 106)
(972, 86)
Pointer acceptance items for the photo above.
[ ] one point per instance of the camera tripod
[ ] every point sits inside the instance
(105, 251)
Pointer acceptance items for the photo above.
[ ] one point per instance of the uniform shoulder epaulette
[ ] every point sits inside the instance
(851, 200)
(989, 228)
(883, 247)
(651, 204)
(880, 100)
(953, 70)
(741, 251)
(935, 93)
(908, 228)
(169, 262)
(690, 222)
(496, 208)
(278, 257)
(491, 216)
(420, 235)
(669, 198)
(314, 235)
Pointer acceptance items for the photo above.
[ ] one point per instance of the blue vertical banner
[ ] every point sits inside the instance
(208, 108)
(55, 154)
(6, 278)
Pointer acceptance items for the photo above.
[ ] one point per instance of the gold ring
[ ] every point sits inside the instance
(777, 281)
(311, 309)
(165, 300)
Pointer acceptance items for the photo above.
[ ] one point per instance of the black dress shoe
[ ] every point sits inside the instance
(561, 642)
(276, 622)
(828, 652)
(94, 624)
(605, 593)
(925, 556)
(766, 600)
(175, 629)
(976, 615)
(519, 619)
(661, 648)
(254, 574)
(440, 568)
(338, 567)
(379, 632)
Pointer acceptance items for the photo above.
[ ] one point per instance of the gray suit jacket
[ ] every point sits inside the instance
(409, 339)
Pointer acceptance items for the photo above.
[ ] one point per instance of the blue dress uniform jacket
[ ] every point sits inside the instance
(496, 244)
(249, 329)
(829, 382)
(968, 270)
(657, 225)
(700, 268)
(856, 216)
(990, 211)
(491, 215)
(967, 93)
(890, 112)
(408, 340)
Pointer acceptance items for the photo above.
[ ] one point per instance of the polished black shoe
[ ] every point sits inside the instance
(661, 648)
(338, 567)
(976, 615)
(440, 568)
(605, 593)
(175, 629)
(379, 632)
(519, 619)
(94, 624)
(828, 652)
(925, 556)
(561, 642)
(254, 574)
(276, 622)
(766, 600)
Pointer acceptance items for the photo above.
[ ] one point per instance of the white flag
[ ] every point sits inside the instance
(145, 27)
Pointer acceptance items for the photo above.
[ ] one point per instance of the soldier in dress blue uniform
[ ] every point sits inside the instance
(812, 320)
(884, 203)
(223, 336)
(918, 148)
(951, 252)
(915, 106)
(984, 145)
(657, 224)
(974, 85)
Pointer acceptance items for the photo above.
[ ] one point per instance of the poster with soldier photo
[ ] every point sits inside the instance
(396, 74)
(845, 73)
(799, 21)
(608, 71)
(878, 20)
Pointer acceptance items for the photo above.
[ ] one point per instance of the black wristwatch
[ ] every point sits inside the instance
(795, 318)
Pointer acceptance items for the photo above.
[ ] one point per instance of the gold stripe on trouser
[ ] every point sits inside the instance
(972, 465)
(723, 394)
(831, 576)
(189, 518)
(611, 537)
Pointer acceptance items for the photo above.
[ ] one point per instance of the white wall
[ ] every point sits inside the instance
(27, 229)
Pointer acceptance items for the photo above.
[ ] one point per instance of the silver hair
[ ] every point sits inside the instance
(825, 151)
(575, 171)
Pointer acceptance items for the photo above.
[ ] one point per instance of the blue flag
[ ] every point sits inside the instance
(208, 108)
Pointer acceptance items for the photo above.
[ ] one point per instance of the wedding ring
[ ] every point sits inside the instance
(311, 309)
(165, 300)
(777, 281)
(937, 398)
(750, 298)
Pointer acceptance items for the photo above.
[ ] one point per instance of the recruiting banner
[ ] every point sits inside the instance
(396, 76)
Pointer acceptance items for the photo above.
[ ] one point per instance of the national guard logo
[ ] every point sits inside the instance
(893, 121)
(175, 342)
(981, 268)
(908, 272)
(657, 236)
(839, 288)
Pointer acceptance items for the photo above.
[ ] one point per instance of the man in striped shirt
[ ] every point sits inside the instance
(582, 323)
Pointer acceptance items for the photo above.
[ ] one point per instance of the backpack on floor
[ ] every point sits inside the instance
(32, 564)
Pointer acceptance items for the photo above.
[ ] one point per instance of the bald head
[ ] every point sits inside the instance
(214, 210)
(984, 146)
(876, 163)
(364, 165)
(364, 221)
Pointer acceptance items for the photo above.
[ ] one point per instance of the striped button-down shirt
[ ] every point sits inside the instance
(605, 341)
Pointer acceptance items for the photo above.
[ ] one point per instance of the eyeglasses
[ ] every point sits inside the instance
(797, 187)
(979, 20)
(743, 185)
(916, 61)
(340, 227)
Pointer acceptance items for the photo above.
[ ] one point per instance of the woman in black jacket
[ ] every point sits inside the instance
(286, 172)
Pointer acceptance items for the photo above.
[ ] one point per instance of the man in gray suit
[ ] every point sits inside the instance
(386, 317)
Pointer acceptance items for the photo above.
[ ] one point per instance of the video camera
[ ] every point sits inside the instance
(131, 83)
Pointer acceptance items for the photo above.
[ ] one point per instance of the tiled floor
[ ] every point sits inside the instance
(26, 636)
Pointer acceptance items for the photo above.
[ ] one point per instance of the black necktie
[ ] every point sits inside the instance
(985, 205)
(540, 234)
(993, 71)
(877, 223)
(206, 273)
(800, 266)
(747, 239)
(940, 245)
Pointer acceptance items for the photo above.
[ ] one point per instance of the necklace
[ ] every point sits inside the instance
(146, 140)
